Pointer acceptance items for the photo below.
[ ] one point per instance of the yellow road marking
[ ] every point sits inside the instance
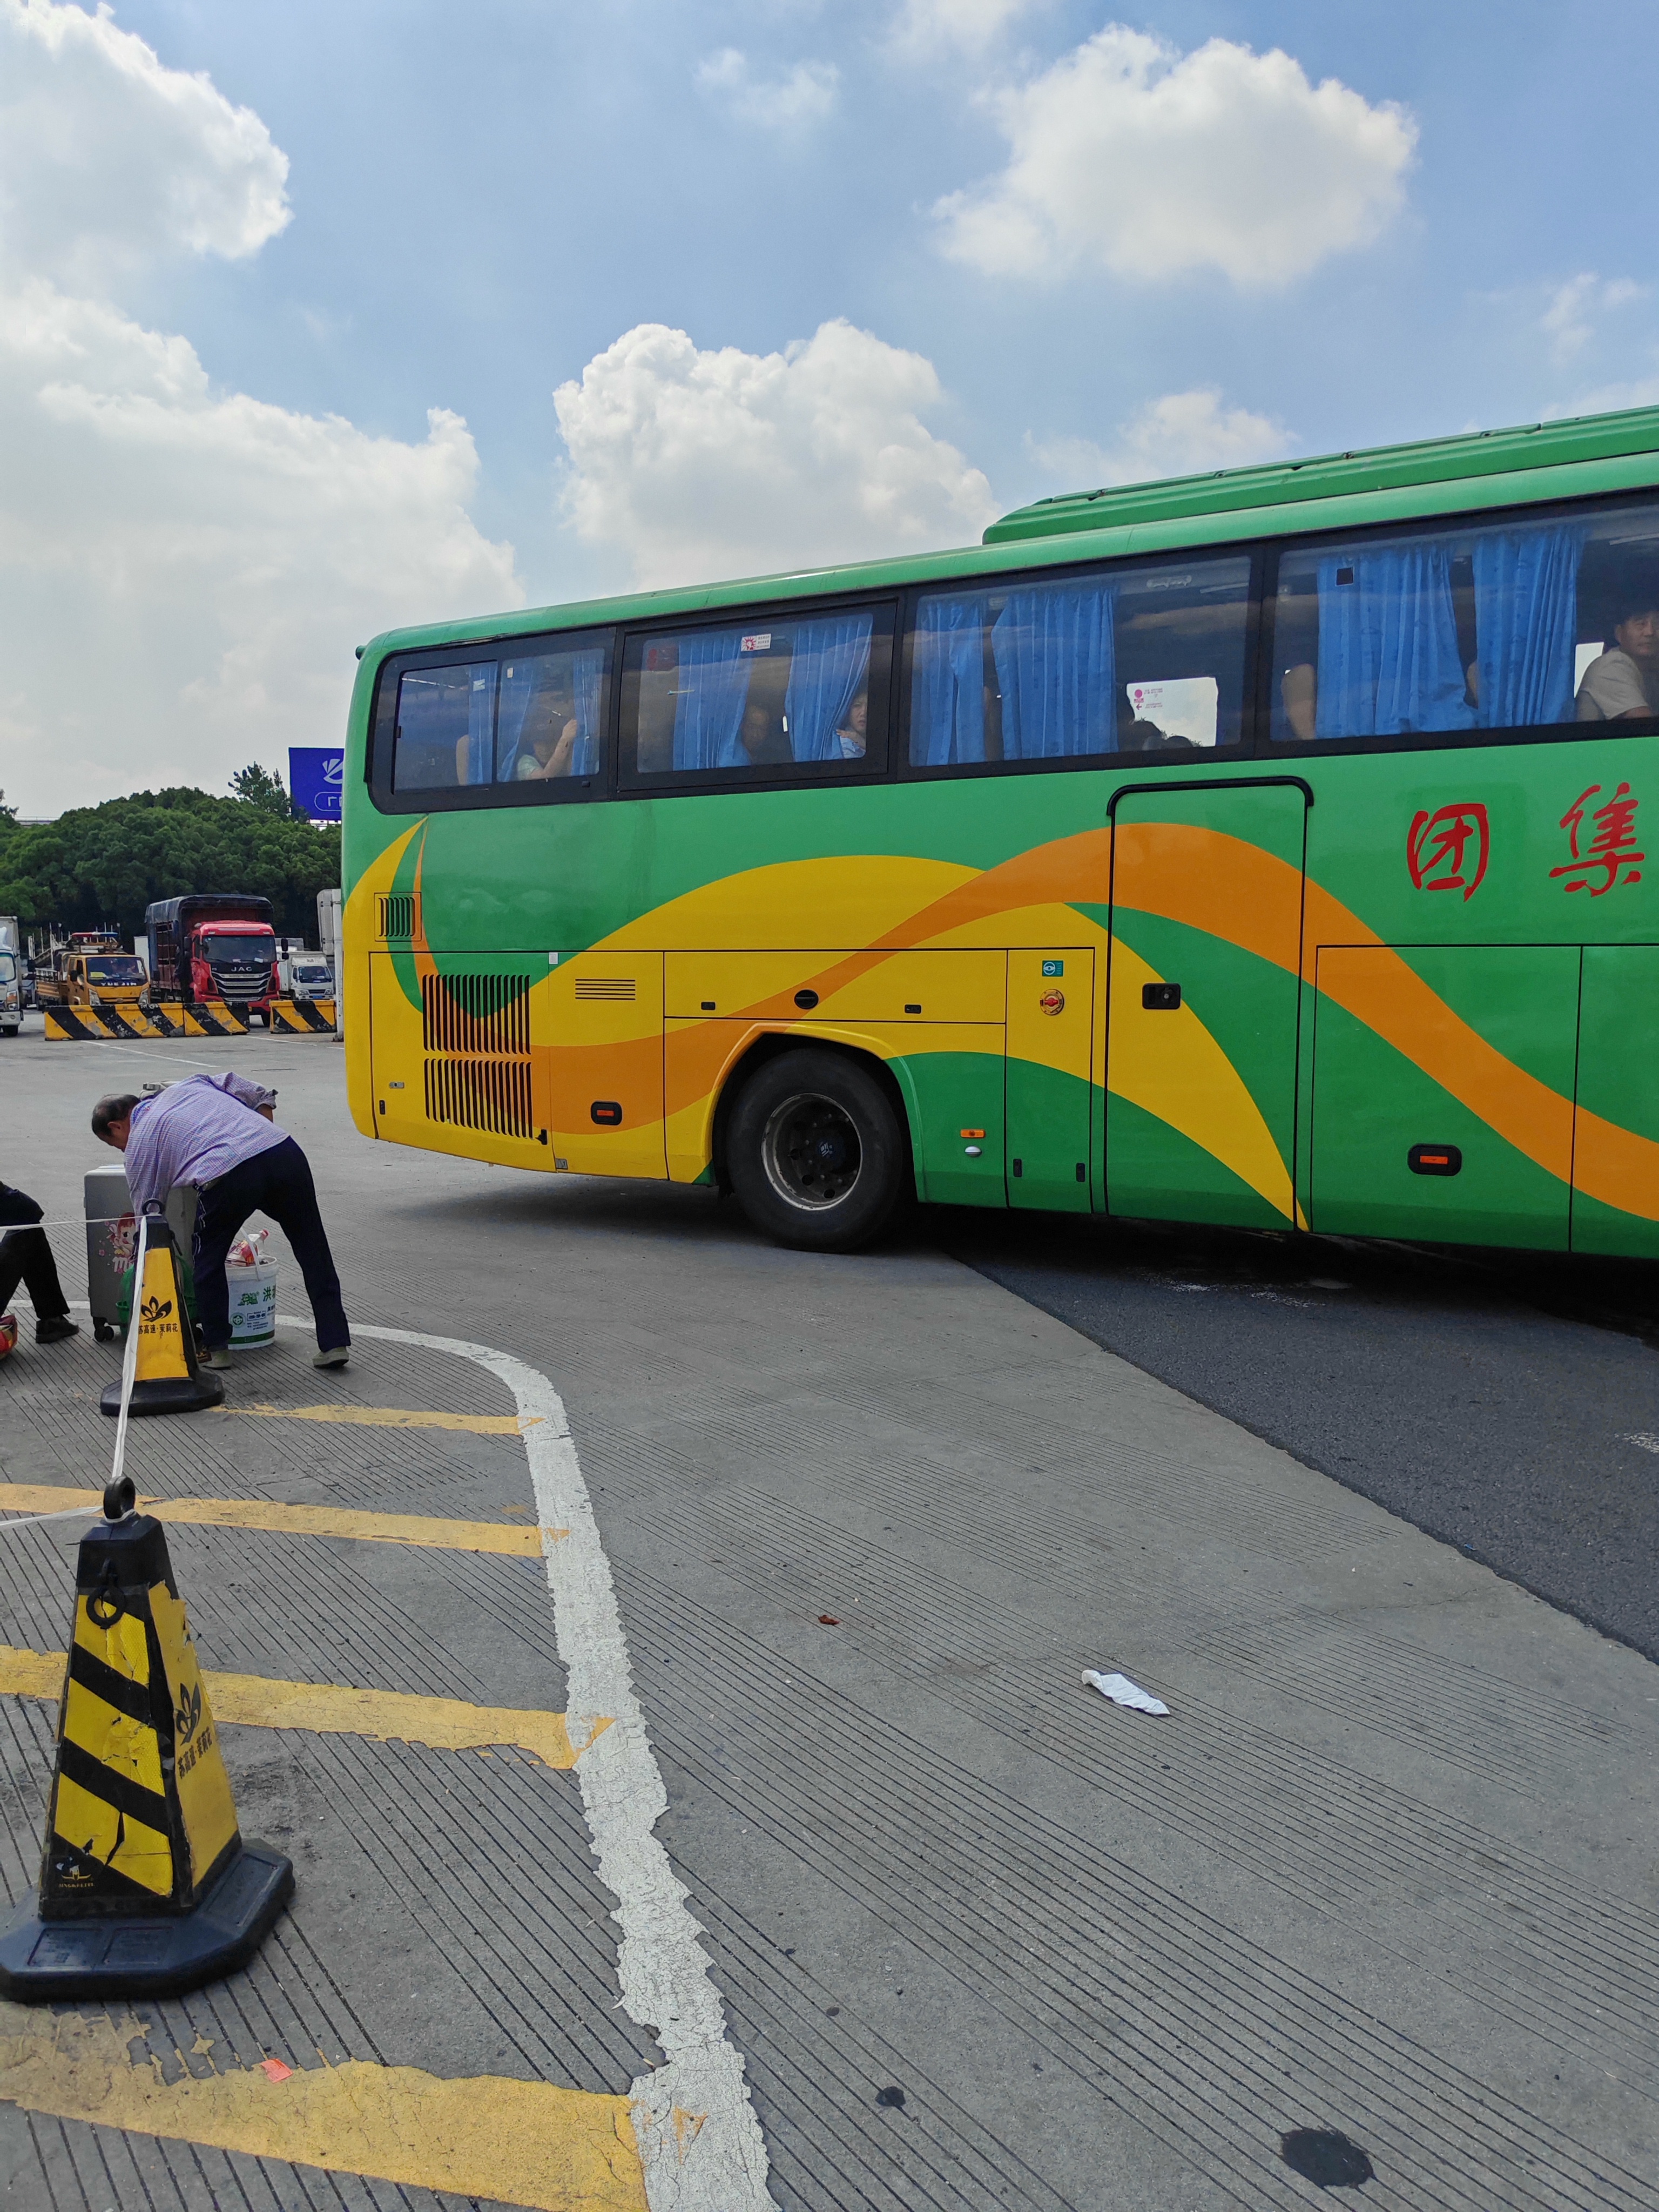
(391, 1417)
(517, 1543)
(328, 1708)
(528, 2144)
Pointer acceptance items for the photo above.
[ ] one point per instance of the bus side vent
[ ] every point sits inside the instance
(476, 1014)
(605, 987)
(398, 916)
(476, 1030)
(480, 1094)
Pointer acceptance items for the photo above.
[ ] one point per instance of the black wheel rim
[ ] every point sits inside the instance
(811, 1153)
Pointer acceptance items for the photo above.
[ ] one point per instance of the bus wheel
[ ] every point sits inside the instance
(816, 1151)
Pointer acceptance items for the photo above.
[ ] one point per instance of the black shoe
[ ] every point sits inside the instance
(57, 1328)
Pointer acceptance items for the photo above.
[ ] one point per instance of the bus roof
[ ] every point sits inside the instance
(1477, 470)
(1332, 476)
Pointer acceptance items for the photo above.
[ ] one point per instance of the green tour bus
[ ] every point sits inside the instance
(1264, 849)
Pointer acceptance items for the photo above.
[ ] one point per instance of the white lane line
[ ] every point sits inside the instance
(700, 2142)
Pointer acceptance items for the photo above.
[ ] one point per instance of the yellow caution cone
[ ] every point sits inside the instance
(166, 1378)
(146, 1885)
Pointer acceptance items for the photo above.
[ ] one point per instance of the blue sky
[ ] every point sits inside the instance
(1066, 246)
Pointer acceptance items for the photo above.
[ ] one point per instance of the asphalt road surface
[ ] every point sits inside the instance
(1506, 1402)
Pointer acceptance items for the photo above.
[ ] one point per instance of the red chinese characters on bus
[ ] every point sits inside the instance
(1611, 848)
(1448, 850)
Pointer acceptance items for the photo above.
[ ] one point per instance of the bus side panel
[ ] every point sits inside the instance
(1483, 1157)
(1615, 1200)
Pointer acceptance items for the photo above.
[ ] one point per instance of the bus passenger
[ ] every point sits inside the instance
(764, 740)
(549, 741)
(852, 736)
(1622, 683)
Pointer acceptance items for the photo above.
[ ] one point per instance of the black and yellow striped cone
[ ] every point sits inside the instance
(167, 1379)
(146, 1885)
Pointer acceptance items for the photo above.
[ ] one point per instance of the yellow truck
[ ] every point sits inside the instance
(93, 971)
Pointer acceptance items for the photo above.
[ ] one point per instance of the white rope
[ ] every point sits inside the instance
(130, 1362)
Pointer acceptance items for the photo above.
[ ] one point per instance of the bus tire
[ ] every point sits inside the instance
(817, 1151)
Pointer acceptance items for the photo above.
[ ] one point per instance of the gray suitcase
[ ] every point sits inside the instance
(112, 1238)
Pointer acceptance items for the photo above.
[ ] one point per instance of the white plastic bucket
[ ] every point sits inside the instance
(253, 1301)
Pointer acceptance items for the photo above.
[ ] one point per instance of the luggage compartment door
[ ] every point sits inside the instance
(602, 1054)
(1442, 1091)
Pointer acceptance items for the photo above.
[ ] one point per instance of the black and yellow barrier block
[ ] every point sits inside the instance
(166, 1378)
(128, 1022)
(146, 1885)
(214, 1017)
(310, 1017)
(76, 1023)
(168, 1017)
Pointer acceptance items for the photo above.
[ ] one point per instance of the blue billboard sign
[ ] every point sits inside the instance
(316, 776)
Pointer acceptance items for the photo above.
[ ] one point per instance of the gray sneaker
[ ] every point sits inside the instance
(335, 1356)
(216, 1355)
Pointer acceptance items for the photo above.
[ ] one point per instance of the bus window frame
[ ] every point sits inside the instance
(1267, 747)
(795, 775)
(467, 798)
(1252, 551)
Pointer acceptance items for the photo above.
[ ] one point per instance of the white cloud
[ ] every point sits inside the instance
(1183, 433)
(1569, 319)
(724, 463)
(108, 158)
(183, 571)
(805, 94)
(1130, 156)
(930, 26)
(1609, 399)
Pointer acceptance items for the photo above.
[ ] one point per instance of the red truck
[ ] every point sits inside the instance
(205, 947)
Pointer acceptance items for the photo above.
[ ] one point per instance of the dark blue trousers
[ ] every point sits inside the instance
(277, 1182)
(25, 1257)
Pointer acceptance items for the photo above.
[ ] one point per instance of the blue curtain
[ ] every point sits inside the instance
(829, 666)
(947, 688)
(586, 678)
(1525, 622)
(1388, 643)
(1057, 666)
(713, 684)
(480, 720)
(520, 681)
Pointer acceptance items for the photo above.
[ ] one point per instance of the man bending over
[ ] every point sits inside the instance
(217, 1132)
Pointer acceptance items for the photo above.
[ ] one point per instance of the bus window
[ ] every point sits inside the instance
(446, 726)
(1533, 620)
(533, 717)
(551, 717)
(773, 695)
(1118, 660)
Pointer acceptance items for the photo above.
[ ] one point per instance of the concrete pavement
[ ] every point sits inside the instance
(1387, 1869)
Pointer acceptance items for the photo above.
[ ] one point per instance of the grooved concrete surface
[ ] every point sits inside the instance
(1390, 1866)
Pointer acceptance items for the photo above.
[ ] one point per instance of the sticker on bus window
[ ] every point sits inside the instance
(761, 642)
(1179, 707)
(659, 657)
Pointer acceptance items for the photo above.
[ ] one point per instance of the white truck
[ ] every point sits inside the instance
(304, 974)
(11, 977)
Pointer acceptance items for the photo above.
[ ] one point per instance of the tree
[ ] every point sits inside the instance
(99, 864)
(262, 788)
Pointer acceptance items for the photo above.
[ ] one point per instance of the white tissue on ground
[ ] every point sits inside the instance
(1122, 1692)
